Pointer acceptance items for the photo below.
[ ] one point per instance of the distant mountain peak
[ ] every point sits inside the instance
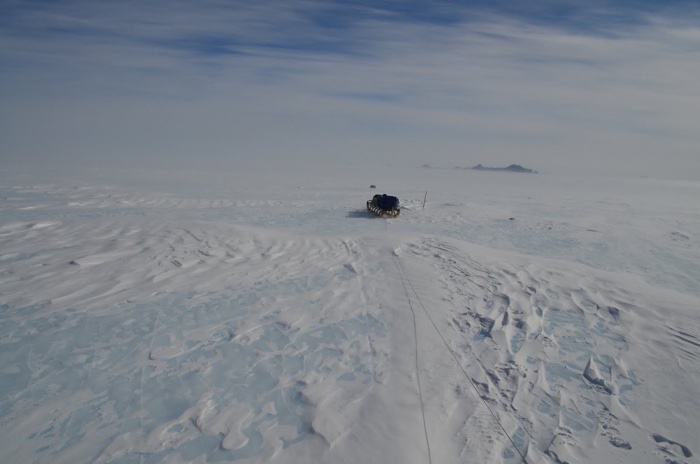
(481, 167)
(511, 168)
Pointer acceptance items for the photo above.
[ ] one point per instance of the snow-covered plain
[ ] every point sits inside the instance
(261, 315)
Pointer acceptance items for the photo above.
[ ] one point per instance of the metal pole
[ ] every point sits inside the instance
(425, 198)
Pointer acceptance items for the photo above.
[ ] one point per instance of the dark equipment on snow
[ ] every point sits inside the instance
(384, 206)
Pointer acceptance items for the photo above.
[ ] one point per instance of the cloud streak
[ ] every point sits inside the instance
(571, 89)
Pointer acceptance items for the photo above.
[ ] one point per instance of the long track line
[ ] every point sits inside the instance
(404, 280)
(415, 338)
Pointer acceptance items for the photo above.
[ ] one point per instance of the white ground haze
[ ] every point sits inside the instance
(261, 315)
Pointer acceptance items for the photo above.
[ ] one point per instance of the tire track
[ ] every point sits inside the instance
(404, 278)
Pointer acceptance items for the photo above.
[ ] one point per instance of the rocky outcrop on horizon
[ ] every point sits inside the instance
(511, 168)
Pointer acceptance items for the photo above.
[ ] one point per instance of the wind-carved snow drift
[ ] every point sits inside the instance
(162, 329)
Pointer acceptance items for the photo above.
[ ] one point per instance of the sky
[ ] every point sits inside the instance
(583, 86)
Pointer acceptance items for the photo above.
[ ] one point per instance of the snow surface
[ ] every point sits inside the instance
(261, 315)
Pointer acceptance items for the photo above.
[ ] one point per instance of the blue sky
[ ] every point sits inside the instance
(591, 86)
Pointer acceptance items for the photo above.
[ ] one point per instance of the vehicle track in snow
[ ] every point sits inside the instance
(404, 280)
(491, 426)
